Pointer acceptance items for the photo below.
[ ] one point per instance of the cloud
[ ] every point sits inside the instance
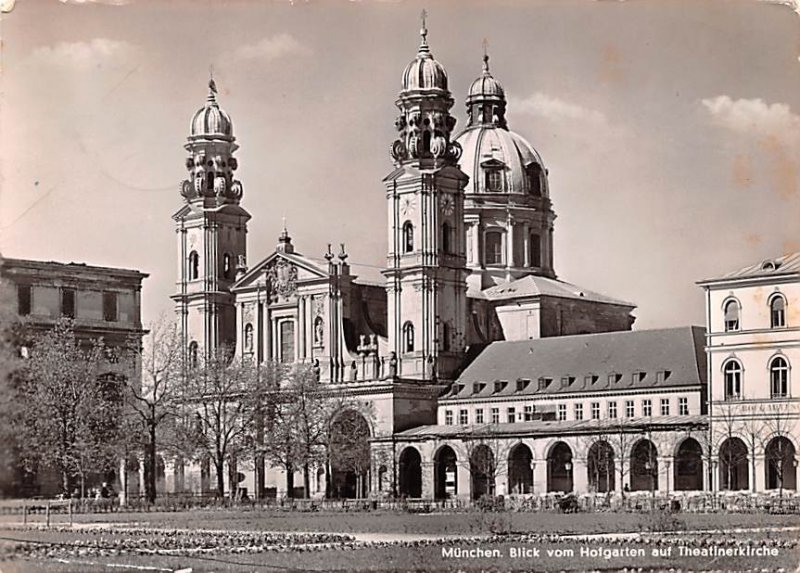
(776, 132)
(269, 49)
(555, 109)
(82, 54)
(755, 117)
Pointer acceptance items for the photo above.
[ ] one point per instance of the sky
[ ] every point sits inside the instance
(671, 129)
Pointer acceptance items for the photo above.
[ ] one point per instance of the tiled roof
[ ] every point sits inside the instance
(785, 265)
(613, 361)
(533, 286)
(546, 427)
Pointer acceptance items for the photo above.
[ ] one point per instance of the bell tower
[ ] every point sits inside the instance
(212, 232)
(426, 264)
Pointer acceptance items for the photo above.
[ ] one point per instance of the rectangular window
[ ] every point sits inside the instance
(495, 415)
(448, 417)
(683, 406)
(68, 302)
(595, 410)
(110, 306)
(629, 412)
(612, 409)
(665, 406)
(647, 407)
(562, 412)
(479, 416)
(579, 411)
(24, 300)
(528, 413)
(463, 417)
(287, 340)
(511, 415)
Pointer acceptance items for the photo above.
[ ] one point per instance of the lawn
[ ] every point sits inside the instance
(380, 541)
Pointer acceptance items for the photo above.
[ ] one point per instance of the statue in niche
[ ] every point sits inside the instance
(354, 371)
(317, 370)
(319, 328)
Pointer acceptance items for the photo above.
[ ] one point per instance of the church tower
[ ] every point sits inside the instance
(508, 214)
(212, 232)
(426, 267)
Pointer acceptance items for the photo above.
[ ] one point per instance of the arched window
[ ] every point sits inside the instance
(494, 181)
(210, 183)
(194, 266)
(779, 377)
(777, 312)
(731, 315)
(408, 237)
(733, 380)
(536, 250)
(227, 266)
(494, 248)
(408, 337)
(446, 237)
(193, 354)
(248, 338)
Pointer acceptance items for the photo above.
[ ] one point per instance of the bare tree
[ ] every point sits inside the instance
(727, 426)
(780, 421)
(487, 458)
(621, 438)
(154, 400)
(223, 393)
(348, 442)
(69, 409)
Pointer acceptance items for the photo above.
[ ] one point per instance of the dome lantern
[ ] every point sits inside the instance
(486, 99)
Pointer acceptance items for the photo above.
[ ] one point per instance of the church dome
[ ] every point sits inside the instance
(424, 72)
(211, 120)
(489, 149)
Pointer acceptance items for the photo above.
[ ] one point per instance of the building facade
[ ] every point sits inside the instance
(485, 373)
(103, 303)
(753, 342)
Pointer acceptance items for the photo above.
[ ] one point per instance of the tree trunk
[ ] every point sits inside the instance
(150, 467)
(290, 482)
(220, 467)
(306, 480)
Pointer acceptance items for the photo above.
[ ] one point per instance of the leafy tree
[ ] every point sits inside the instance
(69, 404)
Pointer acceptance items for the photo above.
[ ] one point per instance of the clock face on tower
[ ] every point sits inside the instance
(446, 204)
(407, 205)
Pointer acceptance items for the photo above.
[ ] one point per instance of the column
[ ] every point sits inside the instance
(123, 483)
(666, 479)
(539, 476)
(464, 482)
(428, 484)
(580, 475)
(526, 245)
(758, 481)
(509, 242)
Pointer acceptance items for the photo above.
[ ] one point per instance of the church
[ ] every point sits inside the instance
(487, 373)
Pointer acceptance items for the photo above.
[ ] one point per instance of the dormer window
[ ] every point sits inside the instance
(545, 382)
(662, 376)
(614, 378)
(494, 180)
(638, 376)
(522, 383)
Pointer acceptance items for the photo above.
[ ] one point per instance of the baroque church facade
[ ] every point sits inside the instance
(486, 373)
